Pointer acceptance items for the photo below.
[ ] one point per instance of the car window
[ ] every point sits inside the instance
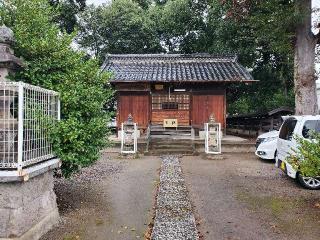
(310, 126)
(286, 131)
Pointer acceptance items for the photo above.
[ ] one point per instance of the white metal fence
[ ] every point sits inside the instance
(26, 112)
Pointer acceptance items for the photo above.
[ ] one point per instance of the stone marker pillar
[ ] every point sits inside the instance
(28, 207)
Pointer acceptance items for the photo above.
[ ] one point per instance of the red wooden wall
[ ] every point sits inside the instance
(136, 105)
(204, 105)
(181, 115)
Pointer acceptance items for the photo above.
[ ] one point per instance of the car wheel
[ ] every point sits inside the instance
(309, 182)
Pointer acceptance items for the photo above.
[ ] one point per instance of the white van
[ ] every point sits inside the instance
(296, 126)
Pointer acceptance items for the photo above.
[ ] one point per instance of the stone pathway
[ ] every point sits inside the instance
(174, 217)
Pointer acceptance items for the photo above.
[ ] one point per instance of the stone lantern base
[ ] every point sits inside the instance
(28, 209)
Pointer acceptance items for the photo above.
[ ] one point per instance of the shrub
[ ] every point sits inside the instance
(52, 63)
(306, 158)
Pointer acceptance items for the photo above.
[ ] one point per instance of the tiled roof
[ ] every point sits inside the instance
(175, 68)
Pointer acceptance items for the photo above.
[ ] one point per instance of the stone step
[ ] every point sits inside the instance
(171, 128)
(168, 128)
(160, 152)
(230, 148)
(170, 146)
(174, 147)
(162, 147)
(171, 141)
(180, 142)
(170, 133)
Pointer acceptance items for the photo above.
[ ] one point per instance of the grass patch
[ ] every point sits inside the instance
(99, 222)
(290, 215)
(276, 205)
(71, 237)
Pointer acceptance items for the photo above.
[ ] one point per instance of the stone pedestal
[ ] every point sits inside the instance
(28, 209)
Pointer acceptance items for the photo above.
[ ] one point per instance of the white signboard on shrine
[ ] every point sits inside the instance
(170, 123)
(212, 138)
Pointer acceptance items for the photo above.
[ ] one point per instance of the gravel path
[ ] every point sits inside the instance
(174, 219)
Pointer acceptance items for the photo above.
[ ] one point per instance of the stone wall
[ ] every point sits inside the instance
(28, 209)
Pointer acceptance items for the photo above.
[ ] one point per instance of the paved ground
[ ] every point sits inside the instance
(238, 197)
(242, 197)
(116, 203)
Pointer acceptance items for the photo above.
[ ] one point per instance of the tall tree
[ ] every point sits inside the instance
(143, 3)
(179, 24)
(121, 27)
(229, 31)
(304, 61)
(92, 31)
(286, 25)
(67, 11)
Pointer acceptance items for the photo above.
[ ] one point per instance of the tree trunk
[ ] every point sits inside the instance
(304, 63)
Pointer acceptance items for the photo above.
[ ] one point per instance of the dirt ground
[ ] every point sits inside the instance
(111, 200)
(242, 197)
(237, 198)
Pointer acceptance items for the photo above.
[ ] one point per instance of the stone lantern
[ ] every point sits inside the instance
(212, 136)
(8, 62)
(8, 95)
(28, 207)
(129, 136)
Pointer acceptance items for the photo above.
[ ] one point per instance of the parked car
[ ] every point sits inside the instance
(266, 145)
(296, 126)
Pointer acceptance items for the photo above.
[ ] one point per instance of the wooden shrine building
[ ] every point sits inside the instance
(187, 88)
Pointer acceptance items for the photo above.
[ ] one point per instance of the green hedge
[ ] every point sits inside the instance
(52, 63)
